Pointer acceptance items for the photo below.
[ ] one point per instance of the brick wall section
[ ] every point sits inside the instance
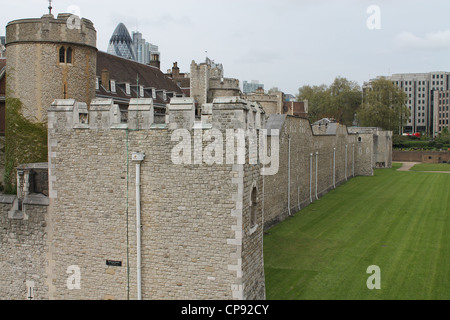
(421, 156)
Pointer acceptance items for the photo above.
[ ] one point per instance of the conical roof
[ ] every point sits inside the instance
(121, 34)
(121, 44)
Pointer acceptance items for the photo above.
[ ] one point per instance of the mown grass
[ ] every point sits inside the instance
(399, 221)
(431, 167)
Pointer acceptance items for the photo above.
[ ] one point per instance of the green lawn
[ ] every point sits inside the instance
(399, 221)
(431, 167)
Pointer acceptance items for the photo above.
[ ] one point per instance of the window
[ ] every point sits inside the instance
(97, 84)
(254, 206)
(69, 55)
(127, 88)
(141, 89)
(65, 56)
(62, 55)
(113, 86)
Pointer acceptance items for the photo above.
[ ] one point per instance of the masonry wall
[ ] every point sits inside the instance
(195, 242)
(35, 74)
(314, 165)
(23, 245)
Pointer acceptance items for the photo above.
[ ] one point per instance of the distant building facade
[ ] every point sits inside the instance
(2, 46)
(249, 87)
(441, 111)
(278, 103)
(421, 89)
(123, 45)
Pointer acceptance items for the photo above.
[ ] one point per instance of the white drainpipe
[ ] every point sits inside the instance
(353, 155)
(317, 179)
(310, 177)
(289, 175)
(346, 147)
(334, 168)
(137, 158)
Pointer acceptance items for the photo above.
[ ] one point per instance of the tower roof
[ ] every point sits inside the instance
(121, 34)
(121, 43)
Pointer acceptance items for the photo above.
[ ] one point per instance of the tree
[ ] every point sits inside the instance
(317, 97)
(345, 100)
(339, 101)
(384, 106)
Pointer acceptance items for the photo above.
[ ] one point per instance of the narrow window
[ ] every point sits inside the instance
(69, 55)
(253, 208)
(62, 55)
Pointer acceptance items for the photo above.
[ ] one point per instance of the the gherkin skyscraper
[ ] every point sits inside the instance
(121, 44)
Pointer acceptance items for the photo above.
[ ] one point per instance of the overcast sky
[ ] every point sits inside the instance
(281, 43)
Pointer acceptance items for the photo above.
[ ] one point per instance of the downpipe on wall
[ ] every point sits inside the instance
(289, 175)
(353, 156)
(310, 177)
(317, 179)
(334, 168)
(346, 148)
(137, 158)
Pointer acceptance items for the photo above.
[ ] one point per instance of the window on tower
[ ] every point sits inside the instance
(69, 55)
(62, 55)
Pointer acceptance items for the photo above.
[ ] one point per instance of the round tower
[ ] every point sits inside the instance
(50, 59)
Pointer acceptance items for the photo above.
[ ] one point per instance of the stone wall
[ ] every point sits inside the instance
(196, 242)
(23, 244)
(35, 74)
(310, 165)
(201, 222)
(421, 156)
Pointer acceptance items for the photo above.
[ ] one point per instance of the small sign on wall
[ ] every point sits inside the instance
(113, 263)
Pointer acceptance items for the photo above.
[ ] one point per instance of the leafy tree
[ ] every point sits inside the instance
(345, 100)
(384, 106)
(340, 100)
(317, 97)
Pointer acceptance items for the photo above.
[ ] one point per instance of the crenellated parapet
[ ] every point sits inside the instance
(103, 114)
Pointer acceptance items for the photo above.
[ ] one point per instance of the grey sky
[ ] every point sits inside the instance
(282, 43)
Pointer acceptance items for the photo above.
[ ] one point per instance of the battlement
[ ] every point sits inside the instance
(66, 28)
(103, 114)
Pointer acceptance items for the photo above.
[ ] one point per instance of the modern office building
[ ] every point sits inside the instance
(134, 48)
(422, 90)
(441, 111)
(145, 51)
(2, 46)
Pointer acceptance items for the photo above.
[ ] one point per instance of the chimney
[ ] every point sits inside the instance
(105, 79)
(175, 70)
(154, 61)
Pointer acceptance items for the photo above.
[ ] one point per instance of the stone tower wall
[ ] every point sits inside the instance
(35, 74)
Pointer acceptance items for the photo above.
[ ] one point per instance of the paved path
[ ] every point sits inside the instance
(407, 165)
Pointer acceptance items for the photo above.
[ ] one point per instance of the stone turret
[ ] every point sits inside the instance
(50, 58)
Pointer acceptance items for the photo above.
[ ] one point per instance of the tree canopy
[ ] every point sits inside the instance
(382, 105)
(339, 101)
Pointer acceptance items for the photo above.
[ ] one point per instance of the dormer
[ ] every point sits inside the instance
(113, 86)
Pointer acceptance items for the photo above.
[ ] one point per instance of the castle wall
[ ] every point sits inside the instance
(310, 165)
(23, 243)
(201, 224)
(195, 240)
